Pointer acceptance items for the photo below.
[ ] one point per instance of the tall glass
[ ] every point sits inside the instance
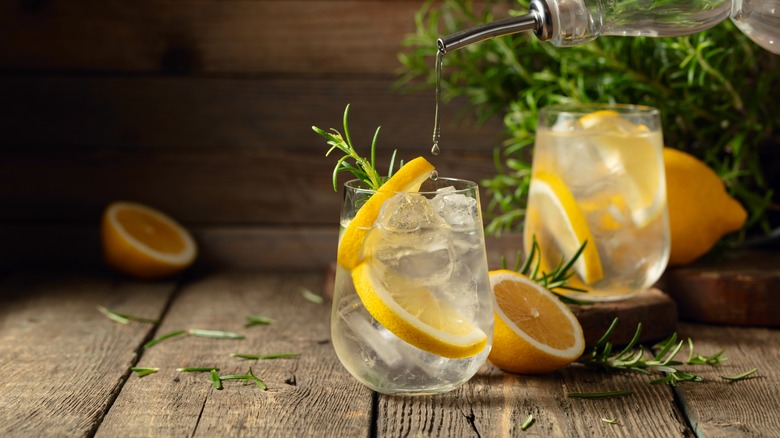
(598, 176)
(415, 315)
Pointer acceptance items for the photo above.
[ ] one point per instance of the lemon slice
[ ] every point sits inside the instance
(416, 315)
(534, 331)
(143, 242)
(633, 155)
(408, 178)
(558, 222)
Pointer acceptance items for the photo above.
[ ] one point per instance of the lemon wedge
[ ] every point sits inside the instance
(416, 315)
(408, 178)
(534, 331)
(559, 224)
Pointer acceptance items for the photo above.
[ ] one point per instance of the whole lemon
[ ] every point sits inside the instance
(700, 209)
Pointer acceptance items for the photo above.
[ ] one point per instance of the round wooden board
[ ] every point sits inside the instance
(737, 288)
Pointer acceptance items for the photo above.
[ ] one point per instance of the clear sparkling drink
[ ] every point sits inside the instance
(598, 175)
(414, 316)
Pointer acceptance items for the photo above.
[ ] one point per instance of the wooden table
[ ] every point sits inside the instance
(66, 372)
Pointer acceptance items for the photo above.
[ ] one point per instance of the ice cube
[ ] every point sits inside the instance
(411, 240)
(457, 209)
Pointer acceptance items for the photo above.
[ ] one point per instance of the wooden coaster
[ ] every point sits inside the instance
(738, 288)
(653, 308)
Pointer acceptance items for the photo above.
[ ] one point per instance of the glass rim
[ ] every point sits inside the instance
(355, 186)
(587, 108)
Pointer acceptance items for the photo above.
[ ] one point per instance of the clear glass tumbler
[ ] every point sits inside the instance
(415, 314)
(598, 176)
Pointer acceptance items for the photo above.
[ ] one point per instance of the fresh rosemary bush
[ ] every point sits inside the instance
(718, 94)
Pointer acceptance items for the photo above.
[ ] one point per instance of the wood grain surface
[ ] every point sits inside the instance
(67, 372)
(63, 361)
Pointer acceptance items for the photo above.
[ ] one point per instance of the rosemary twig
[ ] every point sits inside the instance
(632, 358)
(362, 168)
(124, 318)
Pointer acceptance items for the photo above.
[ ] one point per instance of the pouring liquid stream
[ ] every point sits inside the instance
(435, 150)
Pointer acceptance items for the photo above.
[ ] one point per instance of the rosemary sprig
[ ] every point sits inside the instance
(632, 358)
(362, 168)
(144, 371)
(124, 318)
(247, 378)
(254, 320)
(553, 280)
(264, 356)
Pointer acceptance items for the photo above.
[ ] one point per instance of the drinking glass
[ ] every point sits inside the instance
(415, 315)
(598, 176)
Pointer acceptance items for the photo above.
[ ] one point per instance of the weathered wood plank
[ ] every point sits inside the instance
(247, 113)
(719, 408)
(224, 186)
(495, 404)
(333, 37)
(63, 362)
(307, 396)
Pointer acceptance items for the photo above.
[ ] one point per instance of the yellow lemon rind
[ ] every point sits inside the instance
(408, 328)
(408, 178)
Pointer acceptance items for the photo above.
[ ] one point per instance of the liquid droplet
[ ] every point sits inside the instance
(435, 149)
(434, 175)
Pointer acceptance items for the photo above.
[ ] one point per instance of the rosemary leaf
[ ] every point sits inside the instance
(143, 371)
(259, 382)
(312, 297)
(197, 369)
(216, 381)
(527, 422)
(254, 320)
(264, 356)
(215, 334)
(609, 420)
(742, 376)
(607, 394)
(164, 337)
(124, 318)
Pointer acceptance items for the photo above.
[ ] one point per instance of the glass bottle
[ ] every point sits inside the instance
(574, 22)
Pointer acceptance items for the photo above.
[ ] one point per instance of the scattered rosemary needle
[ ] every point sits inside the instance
(527, 422)
(607, 394)
(264, 356)
(143, 371)
(162, 338)
(609, 420)
(254, 320)
(742, 376)
(312, 297)
(216, 381)
(215, 334)
(251, 377)
(197, 369)
(124, 318)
